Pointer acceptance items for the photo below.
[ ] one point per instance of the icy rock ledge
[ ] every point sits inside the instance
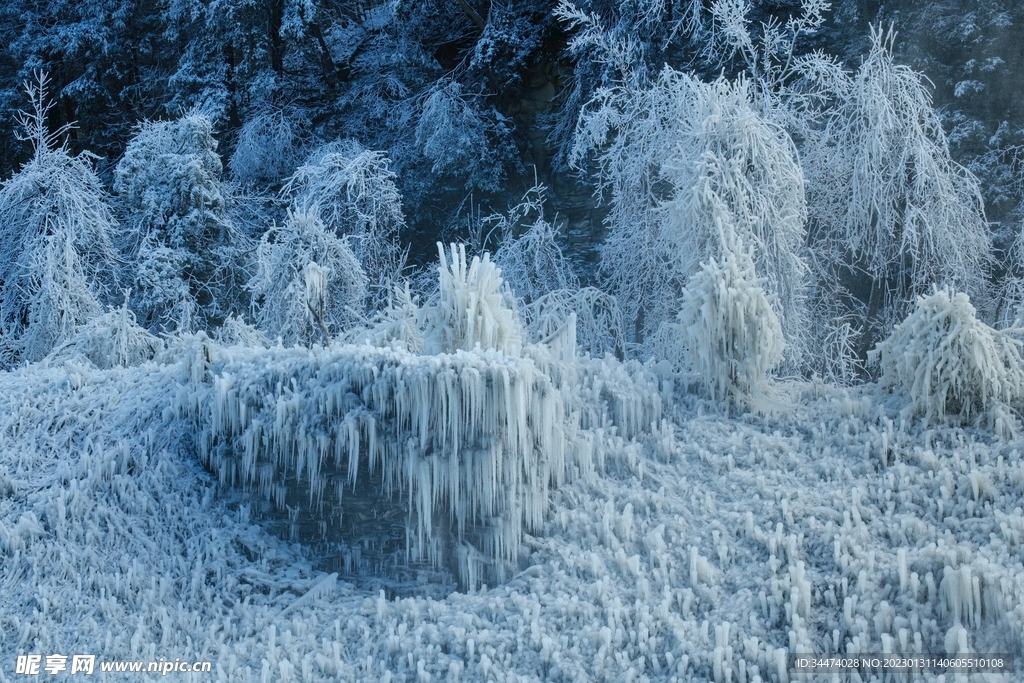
(465, 445)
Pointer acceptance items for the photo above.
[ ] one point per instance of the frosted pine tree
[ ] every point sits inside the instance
(56, 241)
(169, 184)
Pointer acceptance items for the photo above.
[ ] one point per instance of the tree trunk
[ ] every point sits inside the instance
(472, 13)
(870, 320)
(326, 61)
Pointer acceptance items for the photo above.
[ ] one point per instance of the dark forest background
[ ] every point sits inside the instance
(461, 107)
(362, 70)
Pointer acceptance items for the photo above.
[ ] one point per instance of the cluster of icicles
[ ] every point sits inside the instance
(470, 441)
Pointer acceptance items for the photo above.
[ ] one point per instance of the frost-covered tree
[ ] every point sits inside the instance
(970, 51)
(354, 192)
(536, 269)
(232, 53)
(169, 185)
(627, 44)
(685, 160)
(530, 257)
(731, 168)
(731, 332)
(267, 149)
(105, 60)
(888, 200)
(56, 241)
(308, 286)
(454, 136)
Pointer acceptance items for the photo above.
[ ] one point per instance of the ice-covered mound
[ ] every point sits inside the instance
(461, 447)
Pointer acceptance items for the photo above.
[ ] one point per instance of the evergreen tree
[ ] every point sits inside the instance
(181, 242)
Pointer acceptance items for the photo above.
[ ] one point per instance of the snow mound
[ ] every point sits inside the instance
(947, 361)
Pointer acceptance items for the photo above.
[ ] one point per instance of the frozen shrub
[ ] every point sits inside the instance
(598, 322)
(532, 260)
(111, 340)
(472, 308)
(308, 285)
(399, 323)
(949, 362)
(237, 332)
(730, 329)
(267, 149)
(169, 182)
(56, 242)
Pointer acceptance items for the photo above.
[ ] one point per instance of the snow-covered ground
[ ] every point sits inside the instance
(705, 549)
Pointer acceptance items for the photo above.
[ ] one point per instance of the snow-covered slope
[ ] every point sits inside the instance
(705, 547)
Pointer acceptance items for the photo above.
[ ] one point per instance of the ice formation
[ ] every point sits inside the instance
(472, 308)
(703, 548)
(624, 530)
(476, 436)
(470, 434)
(946, 360)
(472, 439)
(730, 330)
